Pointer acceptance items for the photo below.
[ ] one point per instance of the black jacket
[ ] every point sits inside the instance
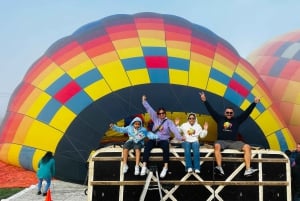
(228, 128)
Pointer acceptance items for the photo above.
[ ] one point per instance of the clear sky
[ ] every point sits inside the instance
(30, 27)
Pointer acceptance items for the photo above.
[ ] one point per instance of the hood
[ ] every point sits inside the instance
(136, 119)
(194, 114)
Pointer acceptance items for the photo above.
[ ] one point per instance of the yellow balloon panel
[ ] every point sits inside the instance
(48, 77)
(243, 72)
(4, 148)
(139, 76)
(268, 123)
(128, 51)
(42, 136)
(290, 95)
(62, 119)
(38, 102)
(295, 115)
(98, 89)
(273, 141)
(219, 64)
(183, 51)
(290, 141)
(153, 38)
(198, 75)
(216, 87)
(13, 154)
(178, 77)
(27, 103)
(115, 75)
(80, 66)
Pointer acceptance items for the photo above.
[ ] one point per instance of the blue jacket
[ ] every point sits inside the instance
(46, 170)
(135, 135)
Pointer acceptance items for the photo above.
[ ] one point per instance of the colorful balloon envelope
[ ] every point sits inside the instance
(278, 64)
(97, 76)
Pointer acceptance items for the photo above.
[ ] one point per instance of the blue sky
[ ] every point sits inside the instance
(29, 28)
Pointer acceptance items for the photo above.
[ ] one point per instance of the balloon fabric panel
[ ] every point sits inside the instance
(277, 63)
(97, 75)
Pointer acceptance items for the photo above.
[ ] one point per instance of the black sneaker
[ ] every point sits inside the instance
(219, 170)
(44, 194)
(39, 193)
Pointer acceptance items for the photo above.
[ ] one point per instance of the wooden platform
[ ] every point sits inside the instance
(272, 182)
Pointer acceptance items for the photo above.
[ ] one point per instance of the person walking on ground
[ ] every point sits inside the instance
(162, 126)
(46, 170)
(136, 133)
(192, 131)
(227, 136)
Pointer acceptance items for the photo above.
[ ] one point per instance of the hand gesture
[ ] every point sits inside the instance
(144, 98)
(202, 96)
(177, 121)
(205, 126)
(257, 99)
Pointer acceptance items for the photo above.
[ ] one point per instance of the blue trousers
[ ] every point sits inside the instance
(188, 147)
(48, 183)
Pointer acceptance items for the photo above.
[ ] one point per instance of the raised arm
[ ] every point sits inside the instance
(210, 109)
(203, 132)
(148, 108)
(248, 111)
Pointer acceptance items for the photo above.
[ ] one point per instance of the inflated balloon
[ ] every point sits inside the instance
(98, 75)
(278, 64)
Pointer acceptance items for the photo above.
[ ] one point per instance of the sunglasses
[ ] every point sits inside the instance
(229, 112)
(160, 113)
(191, 118)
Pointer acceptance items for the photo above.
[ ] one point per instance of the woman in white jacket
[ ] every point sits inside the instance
(192, 131)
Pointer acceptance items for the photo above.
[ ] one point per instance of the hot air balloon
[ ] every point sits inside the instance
(98, 75)
(278, 64)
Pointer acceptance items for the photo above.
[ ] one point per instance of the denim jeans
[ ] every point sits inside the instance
(188, 146)
(163, 144)
(48, 181)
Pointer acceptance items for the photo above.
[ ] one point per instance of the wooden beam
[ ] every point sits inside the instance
(177, 182)
(225, 159)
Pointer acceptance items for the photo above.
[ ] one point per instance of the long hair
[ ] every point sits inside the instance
(47, 157)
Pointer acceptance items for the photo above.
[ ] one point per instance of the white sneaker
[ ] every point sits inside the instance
(136, 170)
(250, 172)
(125, 169)
(190, 170)
(163, 172)
(219, 170)
(197, 171)
(143, 171)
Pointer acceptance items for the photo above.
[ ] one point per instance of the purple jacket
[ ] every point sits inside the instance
(167, 126)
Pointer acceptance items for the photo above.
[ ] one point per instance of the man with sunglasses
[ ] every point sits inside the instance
(162, 126)
(227, 128)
